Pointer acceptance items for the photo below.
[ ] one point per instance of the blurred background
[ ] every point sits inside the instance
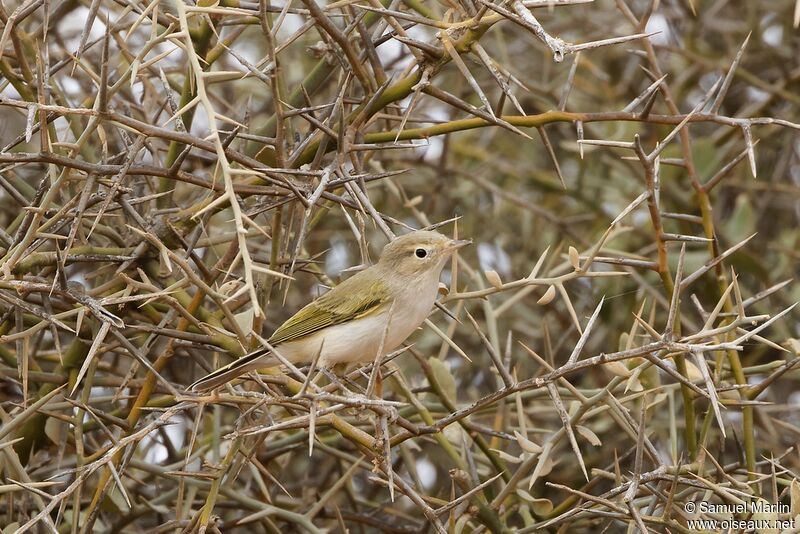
(197, 155)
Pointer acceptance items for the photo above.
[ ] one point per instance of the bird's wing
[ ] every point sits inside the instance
(356, 297)
(337, 306)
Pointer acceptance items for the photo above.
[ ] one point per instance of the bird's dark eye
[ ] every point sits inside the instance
(420, 253)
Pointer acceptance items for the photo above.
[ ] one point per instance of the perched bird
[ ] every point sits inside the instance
(346, 324)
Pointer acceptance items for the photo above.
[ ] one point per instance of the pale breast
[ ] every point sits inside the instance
(410, 311)
(359, 340)
(355, 341)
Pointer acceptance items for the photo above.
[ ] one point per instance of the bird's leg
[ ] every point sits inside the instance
(379, 384)
(335, 380)
(317, 378)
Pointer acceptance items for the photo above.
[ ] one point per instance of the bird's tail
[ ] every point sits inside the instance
(249, 362)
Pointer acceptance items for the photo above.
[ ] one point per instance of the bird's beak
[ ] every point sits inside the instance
(456, 244)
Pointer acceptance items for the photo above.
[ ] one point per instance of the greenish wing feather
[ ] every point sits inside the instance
(335, 307)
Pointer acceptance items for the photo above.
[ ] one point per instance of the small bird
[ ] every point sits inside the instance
(346, 324)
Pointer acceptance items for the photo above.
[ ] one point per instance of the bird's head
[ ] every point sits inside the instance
(419, 252)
